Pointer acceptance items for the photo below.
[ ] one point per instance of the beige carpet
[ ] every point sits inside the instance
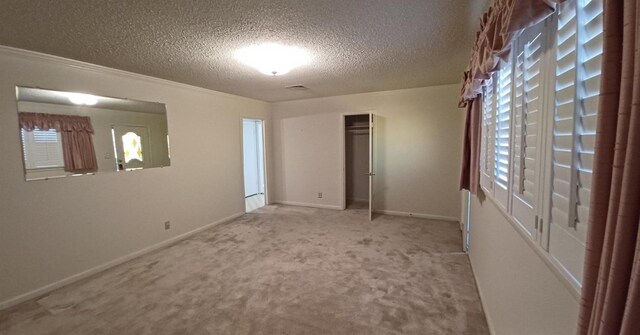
(277, 270)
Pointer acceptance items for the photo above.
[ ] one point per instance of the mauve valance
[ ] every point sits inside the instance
(498, 27)
(30, 121)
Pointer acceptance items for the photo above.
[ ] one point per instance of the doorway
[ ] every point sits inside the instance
(359, 162)
(131, 145)
(253, 160)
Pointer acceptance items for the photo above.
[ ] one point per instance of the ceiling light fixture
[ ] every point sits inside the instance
(273, 59)
(82, 99)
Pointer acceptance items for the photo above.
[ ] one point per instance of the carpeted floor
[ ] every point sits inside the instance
(277, 270)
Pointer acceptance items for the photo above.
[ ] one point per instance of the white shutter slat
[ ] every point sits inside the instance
(566, 94)
(566, 66)
(565, 110)
(564, 126)
(585, 178)
(586, 161)
(563, 157)
(588, 142)
(591, 10)
(589, 124)
(590, 105)
(563, 142)
(593, 65)
(562, 172)
(593, 47)
(592, 86)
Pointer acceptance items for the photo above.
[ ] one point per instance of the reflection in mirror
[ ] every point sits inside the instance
(67, 133)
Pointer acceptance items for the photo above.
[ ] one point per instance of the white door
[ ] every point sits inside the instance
(372, 165)
(132, 147)
(253, 160)
(251, 165)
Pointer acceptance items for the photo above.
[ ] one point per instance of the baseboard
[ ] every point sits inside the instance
(484, 307)
(304, 204)
(419, 215)
(66, 281)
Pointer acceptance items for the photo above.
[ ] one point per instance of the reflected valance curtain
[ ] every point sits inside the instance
(498, 27)
(77, 142)
(611, 286)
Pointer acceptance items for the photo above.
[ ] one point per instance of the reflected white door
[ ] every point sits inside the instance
(253, 159)
(132, 147)
(372, 165)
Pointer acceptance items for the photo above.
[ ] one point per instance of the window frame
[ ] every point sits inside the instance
(28, 141)
(540, 239)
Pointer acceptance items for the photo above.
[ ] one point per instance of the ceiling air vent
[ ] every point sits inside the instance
(297, 88)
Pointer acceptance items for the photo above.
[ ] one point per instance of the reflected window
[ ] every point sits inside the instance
(42, 149)
(132, 146)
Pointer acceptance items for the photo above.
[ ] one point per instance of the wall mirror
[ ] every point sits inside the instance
(69, 134)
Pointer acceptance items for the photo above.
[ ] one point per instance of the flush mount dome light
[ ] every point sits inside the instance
(273, 59)
(82, 99)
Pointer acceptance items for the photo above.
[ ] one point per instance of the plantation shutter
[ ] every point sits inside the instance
(503, 129)
(488, 137)
(579, 49)
(589, 73)
(527, 118)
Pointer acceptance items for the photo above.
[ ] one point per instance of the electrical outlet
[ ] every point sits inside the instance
(167, 225)
(319, 195)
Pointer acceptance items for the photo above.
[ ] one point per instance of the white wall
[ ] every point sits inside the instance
(51, 230)
(520, 293)
(418, 148)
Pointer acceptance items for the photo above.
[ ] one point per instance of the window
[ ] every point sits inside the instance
(42, 149)
(502, 138)
(132, 146)
(538, 132)
(495, 146)
(578, 64)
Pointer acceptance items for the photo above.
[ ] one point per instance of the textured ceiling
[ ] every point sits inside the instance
(357, 46)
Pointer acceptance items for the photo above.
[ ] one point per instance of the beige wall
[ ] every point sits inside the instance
(520, 293)
(418, 149)
(51, 230)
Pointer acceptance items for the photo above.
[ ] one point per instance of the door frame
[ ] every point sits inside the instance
(264, 158)
(343, 157)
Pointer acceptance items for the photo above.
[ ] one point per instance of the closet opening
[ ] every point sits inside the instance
(357, 167)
